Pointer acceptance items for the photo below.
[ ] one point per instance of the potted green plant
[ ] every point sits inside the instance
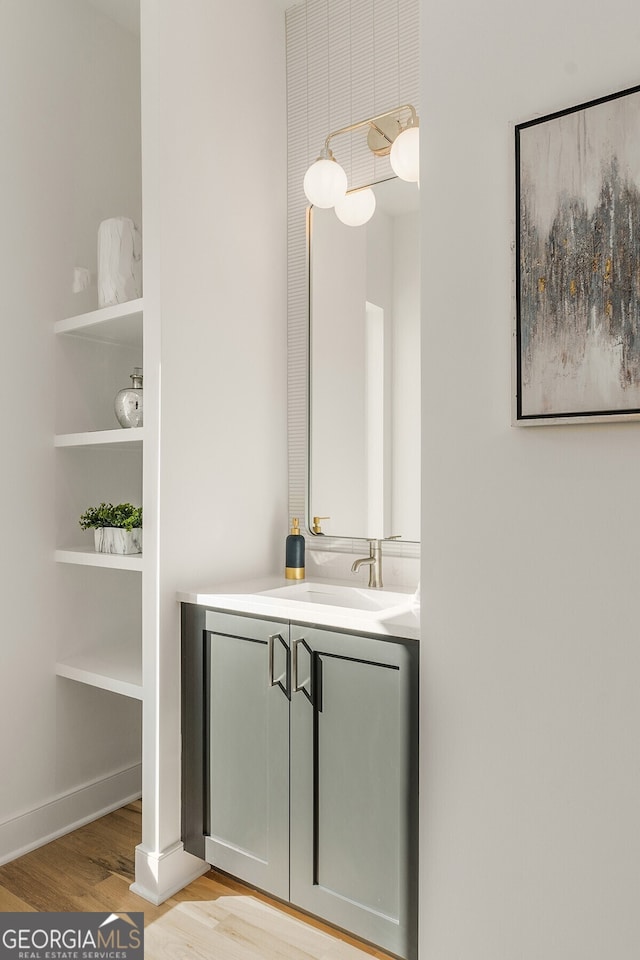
(116, 529)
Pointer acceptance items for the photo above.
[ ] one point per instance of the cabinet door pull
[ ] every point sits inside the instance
(273, 680)
(306, 686)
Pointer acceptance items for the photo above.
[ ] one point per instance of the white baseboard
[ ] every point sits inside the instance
(67, 812)
(160, 875)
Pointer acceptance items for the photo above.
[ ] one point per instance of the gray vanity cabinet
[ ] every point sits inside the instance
(309, 784)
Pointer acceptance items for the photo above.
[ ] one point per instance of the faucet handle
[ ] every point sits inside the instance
(396, 536)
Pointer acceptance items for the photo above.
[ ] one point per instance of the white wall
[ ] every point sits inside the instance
(214, 173)
(56, 171)
(530, 654)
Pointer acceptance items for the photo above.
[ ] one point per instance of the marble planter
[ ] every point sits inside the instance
(117, 540)
(119, 261)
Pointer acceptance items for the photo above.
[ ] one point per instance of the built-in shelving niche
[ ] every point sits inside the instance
(97, 460)
(100, 637)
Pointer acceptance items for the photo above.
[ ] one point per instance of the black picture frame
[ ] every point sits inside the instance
(577, 263)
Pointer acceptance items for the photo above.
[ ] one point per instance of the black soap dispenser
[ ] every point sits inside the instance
(294, 559)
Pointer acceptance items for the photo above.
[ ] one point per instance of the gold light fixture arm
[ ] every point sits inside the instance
(386, 132)
(393, 133)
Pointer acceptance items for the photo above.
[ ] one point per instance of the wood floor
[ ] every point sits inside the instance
(214, 918)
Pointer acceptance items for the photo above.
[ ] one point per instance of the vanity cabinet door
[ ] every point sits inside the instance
(354, 784)
(246, 813)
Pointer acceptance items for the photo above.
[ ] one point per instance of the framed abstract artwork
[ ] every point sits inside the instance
(577, 337)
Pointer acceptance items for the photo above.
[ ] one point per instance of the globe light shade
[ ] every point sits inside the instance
(405, 155)
(356, 208)
(325, 182)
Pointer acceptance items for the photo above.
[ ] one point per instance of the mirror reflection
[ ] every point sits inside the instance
(364, 369)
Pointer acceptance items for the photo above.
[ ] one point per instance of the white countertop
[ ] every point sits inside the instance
(402, 619)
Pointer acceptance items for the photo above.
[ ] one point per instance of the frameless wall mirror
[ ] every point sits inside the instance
(364, 369)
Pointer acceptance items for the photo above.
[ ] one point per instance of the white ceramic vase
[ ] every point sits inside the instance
(119, 261)
(117, 540)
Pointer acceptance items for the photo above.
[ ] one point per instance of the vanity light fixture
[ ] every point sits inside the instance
(405, 155)
(393, 133)
(325, 182)
(356, 207)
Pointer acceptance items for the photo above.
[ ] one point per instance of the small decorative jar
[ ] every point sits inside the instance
(128, 402)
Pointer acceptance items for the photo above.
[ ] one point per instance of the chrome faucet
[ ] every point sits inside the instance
(374, 562)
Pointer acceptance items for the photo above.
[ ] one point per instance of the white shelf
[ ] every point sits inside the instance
(91, 559)
(114, 439)
(121, 323)
(118, 669)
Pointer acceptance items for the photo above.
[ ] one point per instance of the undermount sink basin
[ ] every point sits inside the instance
(335, 595)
